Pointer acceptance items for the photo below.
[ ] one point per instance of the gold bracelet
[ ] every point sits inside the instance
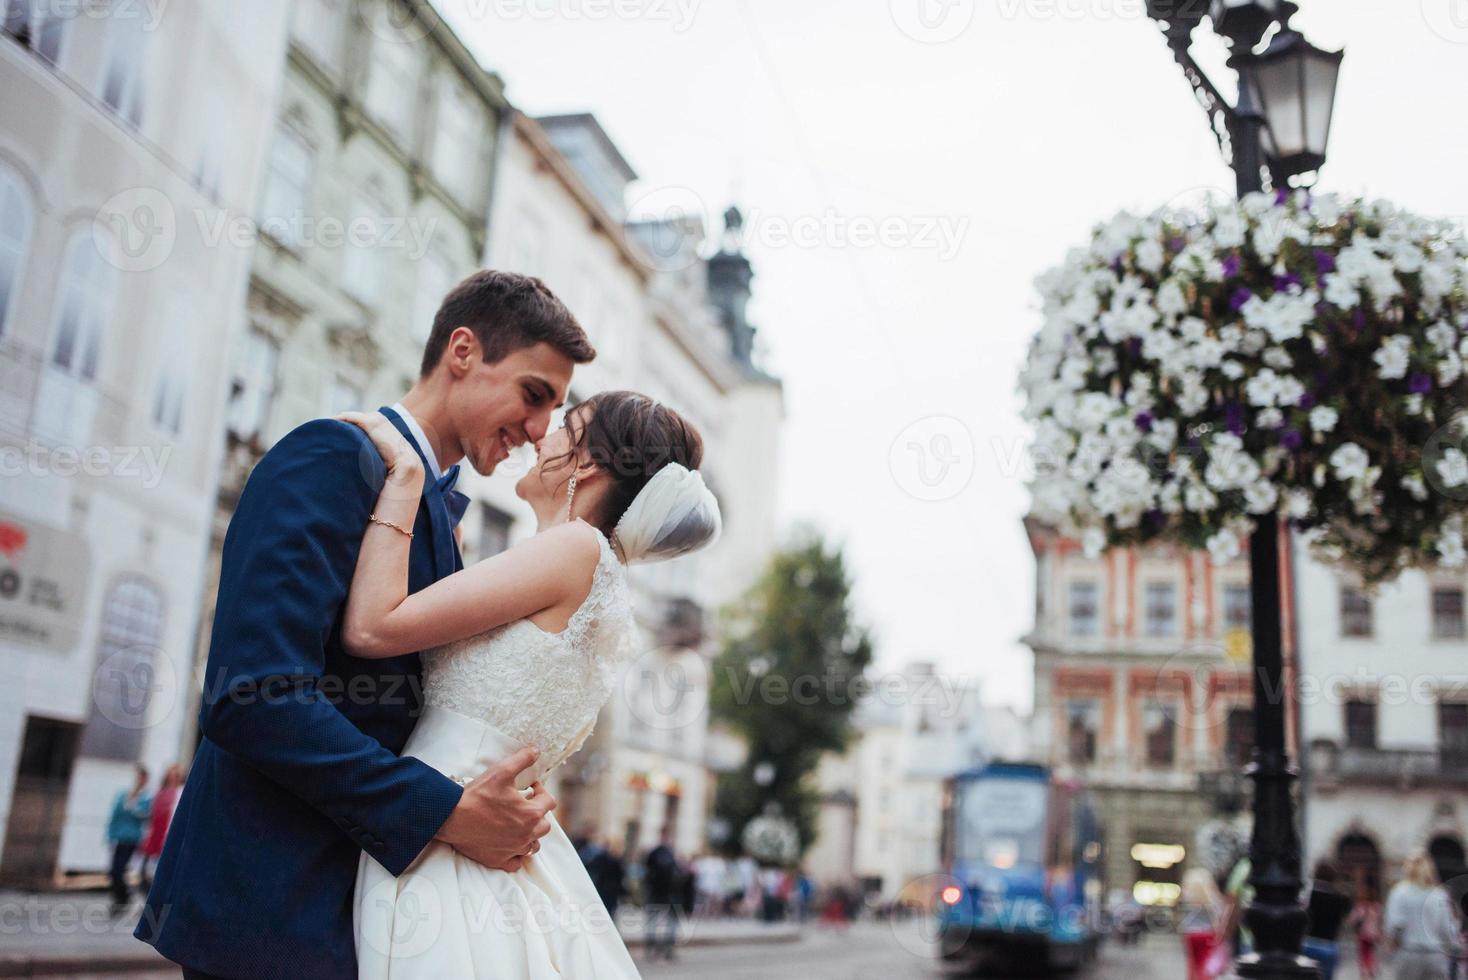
(377, 520)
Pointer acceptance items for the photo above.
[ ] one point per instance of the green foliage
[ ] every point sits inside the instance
(787, 682)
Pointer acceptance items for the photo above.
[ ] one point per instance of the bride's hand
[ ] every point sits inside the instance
(404, 467)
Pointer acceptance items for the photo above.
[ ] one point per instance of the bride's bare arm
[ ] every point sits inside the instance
(383, 620)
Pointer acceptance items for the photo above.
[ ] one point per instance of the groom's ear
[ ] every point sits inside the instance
(461, 352)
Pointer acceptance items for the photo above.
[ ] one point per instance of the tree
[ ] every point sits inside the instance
(787, 681)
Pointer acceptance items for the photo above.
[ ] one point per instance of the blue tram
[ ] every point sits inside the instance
(1023, 856)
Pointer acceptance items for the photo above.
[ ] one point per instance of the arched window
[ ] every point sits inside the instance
(125, 677)
(84, 299)
(66, 404)
(41, 26)
(123, 68)
(15, 234)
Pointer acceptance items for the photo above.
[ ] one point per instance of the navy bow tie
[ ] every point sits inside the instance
(456, 503)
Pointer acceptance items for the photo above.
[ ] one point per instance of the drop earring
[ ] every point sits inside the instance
(570, 495)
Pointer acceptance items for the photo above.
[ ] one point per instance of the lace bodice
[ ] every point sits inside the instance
(537, 687)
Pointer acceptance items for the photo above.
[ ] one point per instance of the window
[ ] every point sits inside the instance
(319, 29)
(436, 276)
(1452, 723)
(1159, 729)
(1084, 609)
(253, 388)
(15, 235)
(494, 531)
(37, 24)
(122, 68)
(1238, 745)
(132, 626)
(1083, 727)
(171, 389)
(392, 77)
(458, 136)
(83, 307)
(1160, 614)
(287, 187)
(214, 151)
(364, 265)
(1447, 613)
(1355, 612)
(341, 396)
(1236, 607)
(1361, 724)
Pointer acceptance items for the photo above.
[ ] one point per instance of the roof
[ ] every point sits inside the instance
(586, 121)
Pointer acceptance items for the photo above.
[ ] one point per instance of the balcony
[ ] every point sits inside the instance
(1334, 766)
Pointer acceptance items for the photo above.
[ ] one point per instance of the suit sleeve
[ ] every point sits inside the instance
(289, 556)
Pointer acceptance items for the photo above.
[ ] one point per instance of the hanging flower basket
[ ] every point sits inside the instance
(1287, 353)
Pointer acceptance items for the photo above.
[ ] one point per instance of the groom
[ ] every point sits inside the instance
(298, 768)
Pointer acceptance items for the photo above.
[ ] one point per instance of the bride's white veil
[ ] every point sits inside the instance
(672, 515)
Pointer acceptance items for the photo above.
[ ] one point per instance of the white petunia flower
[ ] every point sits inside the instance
(1349, 461)
(1093, 542)
(1323, 418)
(1451, 553)
(1414, 485)
(1224, 547)
(1393, 356)
(1452, 469)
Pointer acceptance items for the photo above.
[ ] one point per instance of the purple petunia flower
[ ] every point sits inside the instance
(1175, 244)
(1307, 401)
(1358, 318)
(1324, 261)
(1290, 438)
(1144, 421)
(1419, 383)
(1282, 195)
(1239, 298)
(1233, 413)
(1230, 265)
(1284, 282)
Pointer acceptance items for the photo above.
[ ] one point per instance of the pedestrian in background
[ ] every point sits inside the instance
(662, 893)
(1327, 911)
(1421, 924)
(1366, 920)
(708, 875)
(124, 831)
(1202, 908)
(159, 819)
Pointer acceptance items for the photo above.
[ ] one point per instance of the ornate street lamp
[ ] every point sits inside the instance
(1283, 114)
(1296, 83)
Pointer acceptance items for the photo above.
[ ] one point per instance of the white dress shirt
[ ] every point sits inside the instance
(420, 439)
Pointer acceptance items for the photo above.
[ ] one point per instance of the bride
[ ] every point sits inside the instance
(524, 649)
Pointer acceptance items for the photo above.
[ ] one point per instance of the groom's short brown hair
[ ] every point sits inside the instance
(507, 312)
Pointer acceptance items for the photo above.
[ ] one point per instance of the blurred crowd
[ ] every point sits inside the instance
(669, 888)
(1418, 933)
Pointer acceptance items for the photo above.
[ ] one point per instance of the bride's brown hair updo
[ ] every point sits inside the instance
(629, 437)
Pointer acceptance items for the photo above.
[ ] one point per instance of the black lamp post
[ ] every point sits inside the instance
(1277, 129)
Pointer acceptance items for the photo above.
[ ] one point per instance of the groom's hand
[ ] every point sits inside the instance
(495, 824)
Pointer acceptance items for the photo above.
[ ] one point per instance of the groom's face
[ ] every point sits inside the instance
(499, 406)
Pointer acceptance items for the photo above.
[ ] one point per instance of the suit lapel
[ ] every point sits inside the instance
(441, 530)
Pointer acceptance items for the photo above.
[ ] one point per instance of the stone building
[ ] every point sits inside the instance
(1384, 715)
(1143, 690)
(130, 144)
(373, 204)
(880, 823)
(662, 325)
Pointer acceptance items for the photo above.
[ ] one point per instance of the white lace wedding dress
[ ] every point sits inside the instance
(447, 917)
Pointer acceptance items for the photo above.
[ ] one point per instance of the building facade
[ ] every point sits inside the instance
(132, 139)
(658, 329)
(1384, 715)
(880, 823)
(373, 203)
(1143, 690)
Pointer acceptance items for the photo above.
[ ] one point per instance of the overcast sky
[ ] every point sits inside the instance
(907, 168)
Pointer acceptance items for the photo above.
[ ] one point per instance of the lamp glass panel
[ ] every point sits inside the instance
(1320, 81)
(1280, 85)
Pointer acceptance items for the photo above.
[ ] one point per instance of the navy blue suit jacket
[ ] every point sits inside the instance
(298, 770)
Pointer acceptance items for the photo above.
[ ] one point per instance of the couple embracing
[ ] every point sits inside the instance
(366, 799)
